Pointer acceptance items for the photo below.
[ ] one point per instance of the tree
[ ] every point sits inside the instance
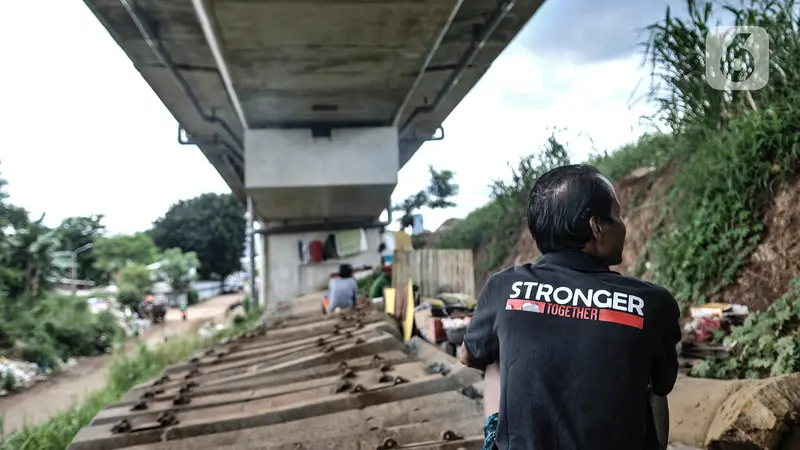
(115, 252)
(30, 252)
(75, 232)
(134, 281)
(176, 268)
(212, 226)
(440, 189)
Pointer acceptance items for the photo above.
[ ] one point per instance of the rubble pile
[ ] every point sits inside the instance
(703, 334)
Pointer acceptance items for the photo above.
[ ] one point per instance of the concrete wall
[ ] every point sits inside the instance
(293, 158)
(288, 278)
(293, 176)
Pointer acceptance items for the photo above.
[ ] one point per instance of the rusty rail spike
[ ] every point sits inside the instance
(328, 349)
(164, 378)
(343, 365)
(182, 398)
(386, 367)
(343, 386)
(320, 342)
(348, 373)
(449, 435)
(123, 426)
(167, 418)
(399, 380)
(348, 334)
(357, 389)
(385, 378)
(210, 351)
(142, 405)
(360, 340)
(387, 444)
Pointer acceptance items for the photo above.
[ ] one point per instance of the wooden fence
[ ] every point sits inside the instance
(435, 271)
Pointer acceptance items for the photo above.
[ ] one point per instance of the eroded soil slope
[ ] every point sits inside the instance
(762, 280)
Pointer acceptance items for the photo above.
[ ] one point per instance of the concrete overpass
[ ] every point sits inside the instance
(310, 107)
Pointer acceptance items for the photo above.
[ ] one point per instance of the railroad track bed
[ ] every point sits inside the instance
(301, 382)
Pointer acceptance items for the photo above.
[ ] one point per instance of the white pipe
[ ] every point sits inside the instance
(211, 37)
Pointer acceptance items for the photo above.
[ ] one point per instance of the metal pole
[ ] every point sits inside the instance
(74, 257)
(251, 241)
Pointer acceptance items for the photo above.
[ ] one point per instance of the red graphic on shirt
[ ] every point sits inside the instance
(575, 312)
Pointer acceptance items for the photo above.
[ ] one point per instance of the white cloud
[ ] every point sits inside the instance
(83, 133)
(489, 129)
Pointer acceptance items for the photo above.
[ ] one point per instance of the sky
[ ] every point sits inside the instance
(84, 134)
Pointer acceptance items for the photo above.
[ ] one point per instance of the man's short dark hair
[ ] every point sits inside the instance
(561, 203)
(345, 271)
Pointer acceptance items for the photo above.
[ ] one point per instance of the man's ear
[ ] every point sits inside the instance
(597, 228)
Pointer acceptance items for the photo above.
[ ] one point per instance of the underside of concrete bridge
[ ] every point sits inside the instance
(310, 107)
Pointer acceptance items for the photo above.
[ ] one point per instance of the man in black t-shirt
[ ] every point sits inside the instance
(582, 347)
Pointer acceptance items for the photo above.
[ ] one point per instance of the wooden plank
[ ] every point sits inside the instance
(280, 391)
(435, 270)
(228, 418)
(446, 410)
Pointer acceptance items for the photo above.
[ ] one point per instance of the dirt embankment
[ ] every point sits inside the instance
(762, 279)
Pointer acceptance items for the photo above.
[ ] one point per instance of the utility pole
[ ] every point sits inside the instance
(251, 241)
(74, 258)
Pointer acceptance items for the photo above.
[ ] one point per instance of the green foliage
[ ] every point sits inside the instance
(365, 284)
(75, 232)
(192, 297)
(55, 329)
(125, 371)
(768, 344)
(136, 277)
(115, 252)
(134, 282)
(212, 226)
(676, 52)
(718, 198)
(735, 147)
(494, 228)
(651, 150)
(176, 268)
(437, 195)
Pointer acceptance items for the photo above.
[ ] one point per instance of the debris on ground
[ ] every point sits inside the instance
(704, 332)
(15, 375)
(210, 329)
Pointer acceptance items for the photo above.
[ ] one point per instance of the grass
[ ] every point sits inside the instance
(729, 151)
(126, 370)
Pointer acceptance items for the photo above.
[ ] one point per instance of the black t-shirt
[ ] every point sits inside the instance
(578, 347)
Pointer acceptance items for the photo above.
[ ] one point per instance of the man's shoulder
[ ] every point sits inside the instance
(643, 284)
(512, 273)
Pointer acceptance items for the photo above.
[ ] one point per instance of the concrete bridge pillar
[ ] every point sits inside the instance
(305, 174)
(308, 184)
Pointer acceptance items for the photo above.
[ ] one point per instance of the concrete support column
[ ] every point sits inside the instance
(287, 276)
(294, 174)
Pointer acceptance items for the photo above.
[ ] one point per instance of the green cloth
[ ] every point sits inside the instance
(348, 243)
(377, 286)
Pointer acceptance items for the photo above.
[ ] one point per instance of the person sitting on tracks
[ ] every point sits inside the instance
(580, 347)
(342, 290)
